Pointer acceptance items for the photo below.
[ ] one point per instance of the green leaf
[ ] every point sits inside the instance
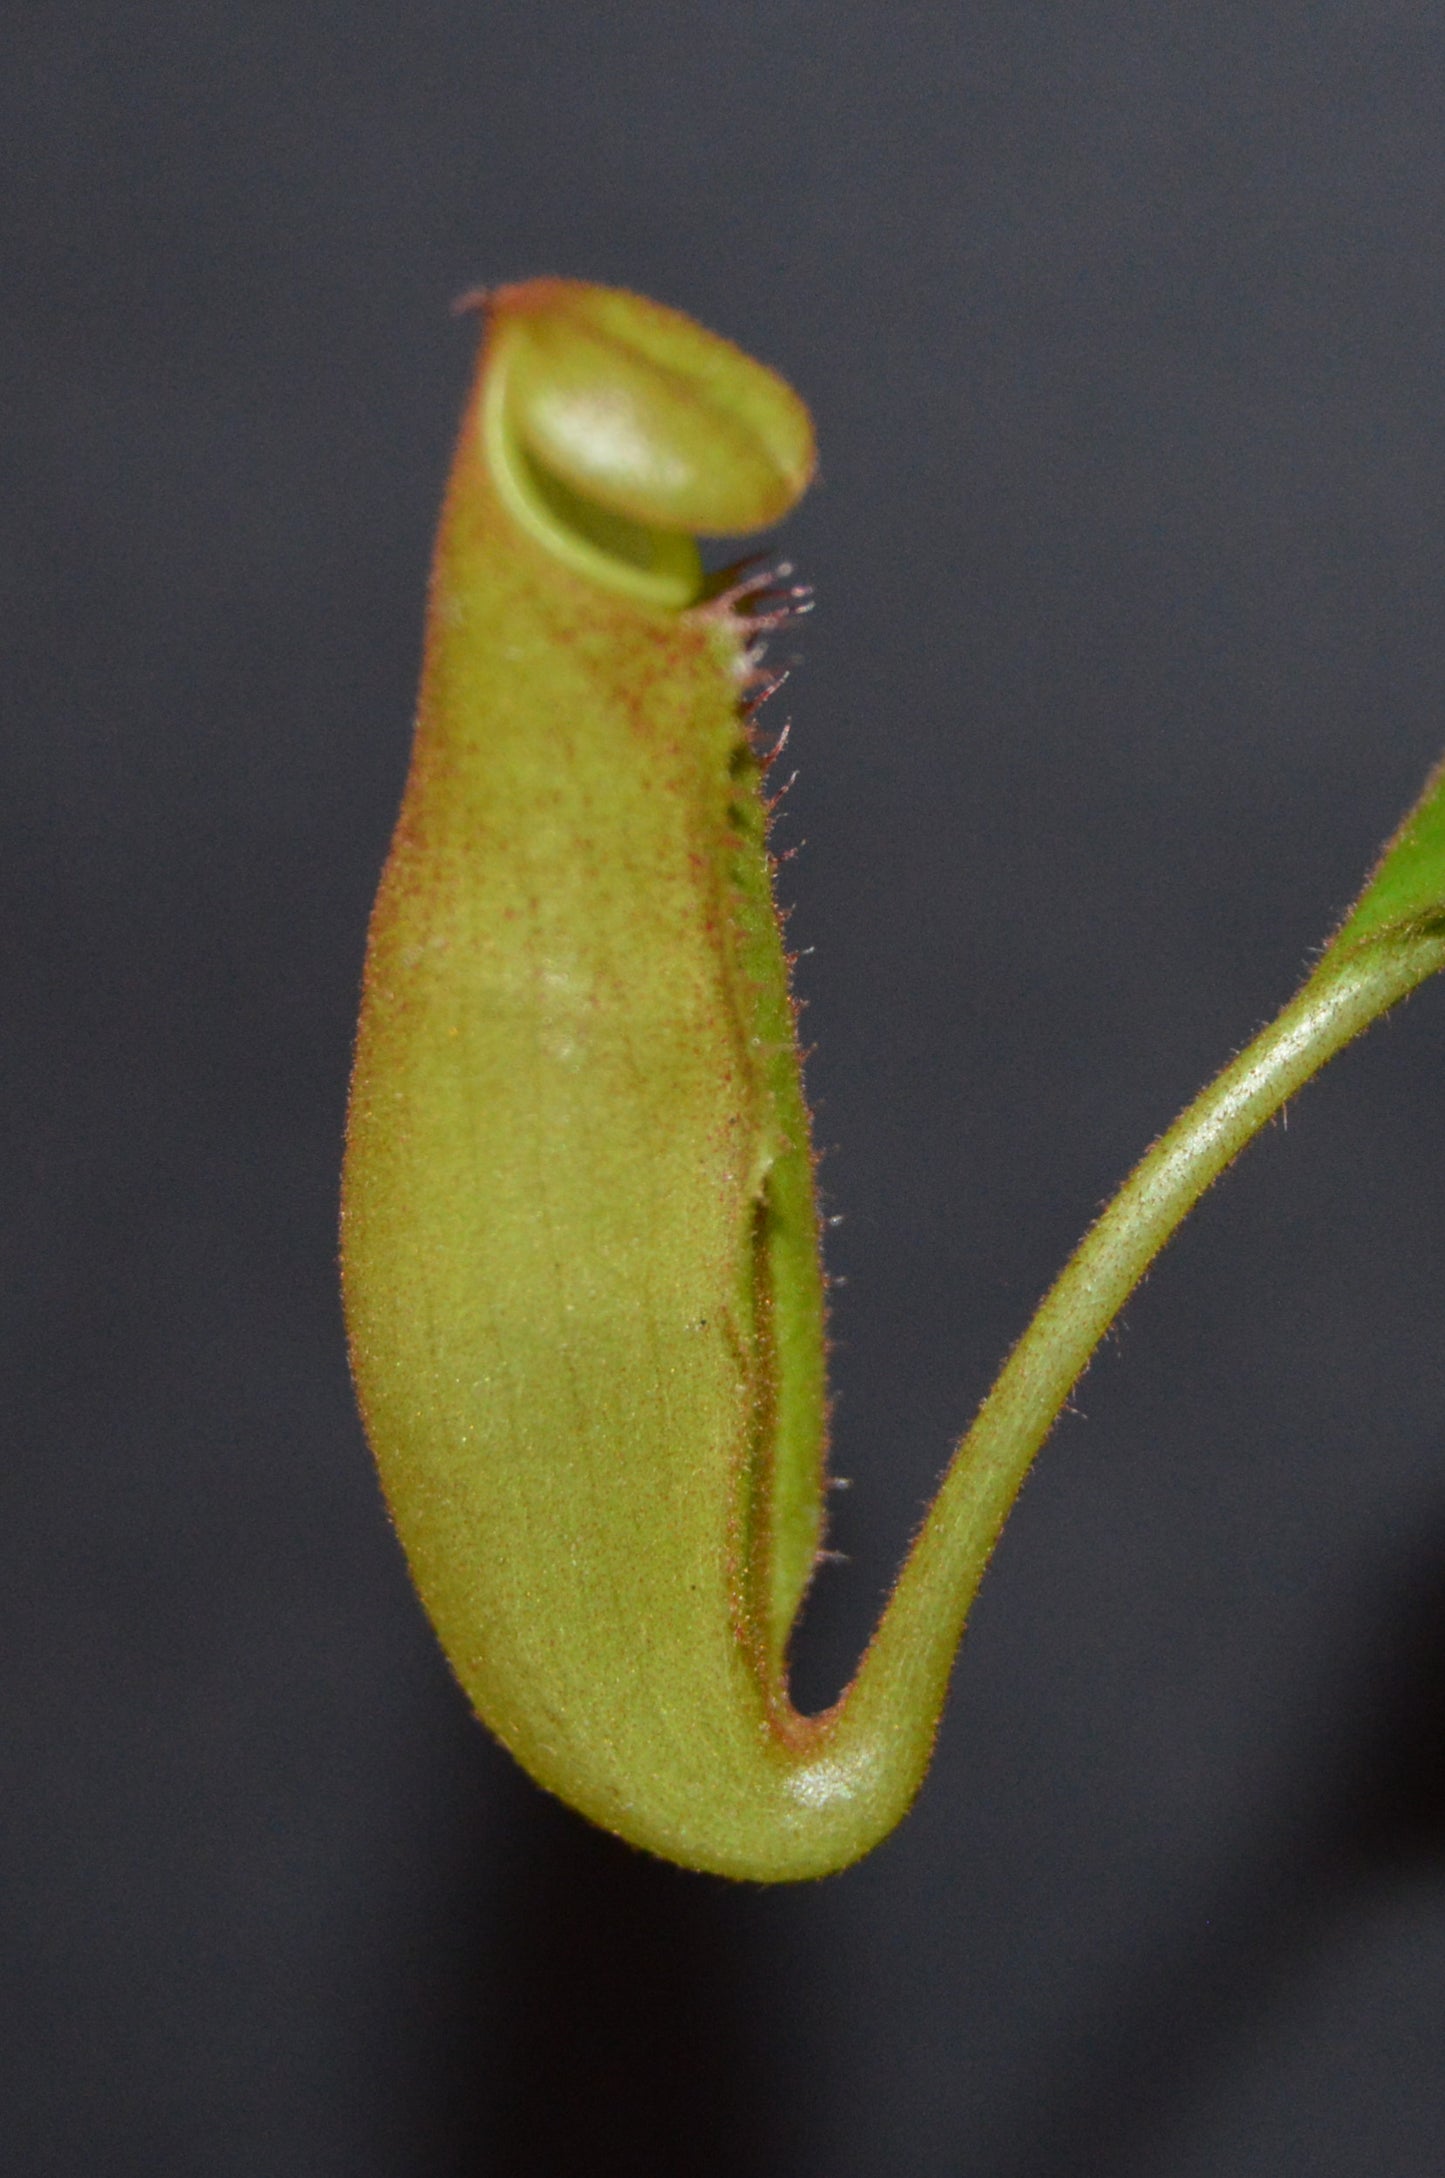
(1406, 889)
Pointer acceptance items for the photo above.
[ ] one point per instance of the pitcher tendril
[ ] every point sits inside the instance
(580, 1240)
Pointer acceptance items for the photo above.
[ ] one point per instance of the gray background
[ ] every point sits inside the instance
(1123, 328)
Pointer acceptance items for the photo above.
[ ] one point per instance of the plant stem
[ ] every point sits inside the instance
(916, 1638)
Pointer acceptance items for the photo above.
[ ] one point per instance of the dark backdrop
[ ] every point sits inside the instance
(1123, 327)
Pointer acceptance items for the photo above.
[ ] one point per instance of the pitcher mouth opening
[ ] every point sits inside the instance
(658, 566)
